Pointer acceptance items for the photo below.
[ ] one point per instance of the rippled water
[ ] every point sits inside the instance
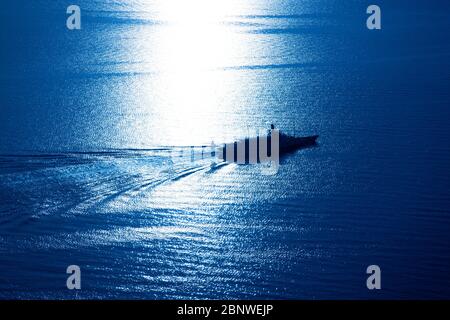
(91, 120)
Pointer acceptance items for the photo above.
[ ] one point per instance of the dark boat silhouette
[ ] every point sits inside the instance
(292, 143)
(287, 144)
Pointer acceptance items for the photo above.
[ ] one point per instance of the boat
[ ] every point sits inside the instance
(241, 150)
(292, 143)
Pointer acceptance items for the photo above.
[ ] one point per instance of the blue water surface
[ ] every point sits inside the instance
(91, 120)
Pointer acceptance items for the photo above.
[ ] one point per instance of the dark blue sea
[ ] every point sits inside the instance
(90, 121)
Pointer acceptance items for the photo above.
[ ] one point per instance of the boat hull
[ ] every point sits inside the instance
(241, 150)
